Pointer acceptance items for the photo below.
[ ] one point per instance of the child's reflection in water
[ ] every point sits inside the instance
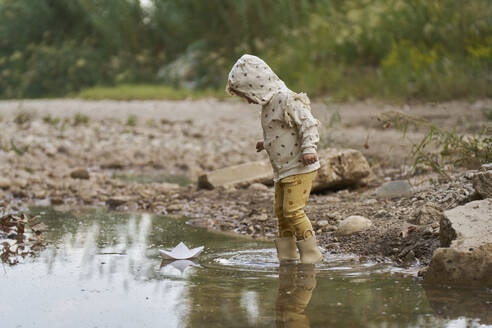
(296, 285)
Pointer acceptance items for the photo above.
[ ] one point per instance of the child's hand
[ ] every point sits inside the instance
(259, 146)
(308, 159)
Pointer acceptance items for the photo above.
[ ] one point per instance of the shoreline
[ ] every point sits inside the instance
(390, 238)
(142, 156)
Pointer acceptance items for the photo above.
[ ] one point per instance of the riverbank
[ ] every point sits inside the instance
(147, 155)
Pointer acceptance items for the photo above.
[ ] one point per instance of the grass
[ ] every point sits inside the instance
(487, 113)
(50, 120)
(23, 117)
(131, 120)
(440, 147)
(147, 92)
(80, 119)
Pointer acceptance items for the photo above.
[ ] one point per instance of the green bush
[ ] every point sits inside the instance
(348, 49)
(50, 120)
(131, 120)
(80, 119)
(23, 117)
(487, 113)
(432, 73)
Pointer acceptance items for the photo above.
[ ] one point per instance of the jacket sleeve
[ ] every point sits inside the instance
(307, 125)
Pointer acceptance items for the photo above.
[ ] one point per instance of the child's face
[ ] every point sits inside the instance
(242, 95)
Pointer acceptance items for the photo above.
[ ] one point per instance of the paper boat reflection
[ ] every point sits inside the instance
(181, 252)
(181, 265)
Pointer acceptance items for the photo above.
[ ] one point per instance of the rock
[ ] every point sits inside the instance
(482, 182)
(133, 207)
(330, 227)
(112, 165)
(340, 169)
(237, 175)
(42, 202)
(49, 149)
(56, 201)
(468, 260)
(409, 258)
(471, 222)
(352, 224)
(164, 187)
(80, 174)
(258, 186)
(446, 232)
(63, 150)
(486, 167)
(427, 214)
(114, 202)
(261, 217)
(20, 182)
(394, 189)
(19, 193)
(322, 223)
(174, 208)
(4, 183)
(40, 227)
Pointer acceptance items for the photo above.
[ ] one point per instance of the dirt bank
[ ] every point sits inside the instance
(145, 155)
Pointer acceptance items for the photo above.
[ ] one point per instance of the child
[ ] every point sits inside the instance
(290, 135)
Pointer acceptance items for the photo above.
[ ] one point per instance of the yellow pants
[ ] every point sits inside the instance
(291, 196)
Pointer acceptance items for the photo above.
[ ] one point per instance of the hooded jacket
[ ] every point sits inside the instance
(289, 128)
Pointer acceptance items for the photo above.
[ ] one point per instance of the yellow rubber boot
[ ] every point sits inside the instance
(309, 250)
(286, 249)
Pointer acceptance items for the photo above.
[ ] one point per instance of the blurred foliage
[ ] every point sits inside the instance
(131, 120)
(51, 120)
(143, 92)
(80, 119)
(487, 113)
(349, 49)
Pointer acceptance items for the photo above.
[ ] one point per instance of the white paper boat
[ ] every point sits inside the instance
(181, 252)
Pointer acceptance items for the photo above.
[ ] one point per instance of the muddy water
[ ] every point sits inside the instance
(104, 270)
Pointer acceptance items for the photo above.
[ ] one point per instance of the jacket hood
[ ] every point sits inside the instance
(253, 77)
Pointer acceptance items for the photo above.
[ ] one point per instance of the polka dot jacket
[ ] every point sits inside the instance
(289, 128)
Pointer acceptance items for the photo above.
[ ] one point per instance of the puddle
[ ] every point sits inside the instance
(339, 265)
(103, 270)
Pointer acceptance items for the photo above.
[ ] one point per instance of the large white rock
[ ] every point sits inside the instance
(354, 223)
(467, 230)
(339, 169)
(237, 175)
